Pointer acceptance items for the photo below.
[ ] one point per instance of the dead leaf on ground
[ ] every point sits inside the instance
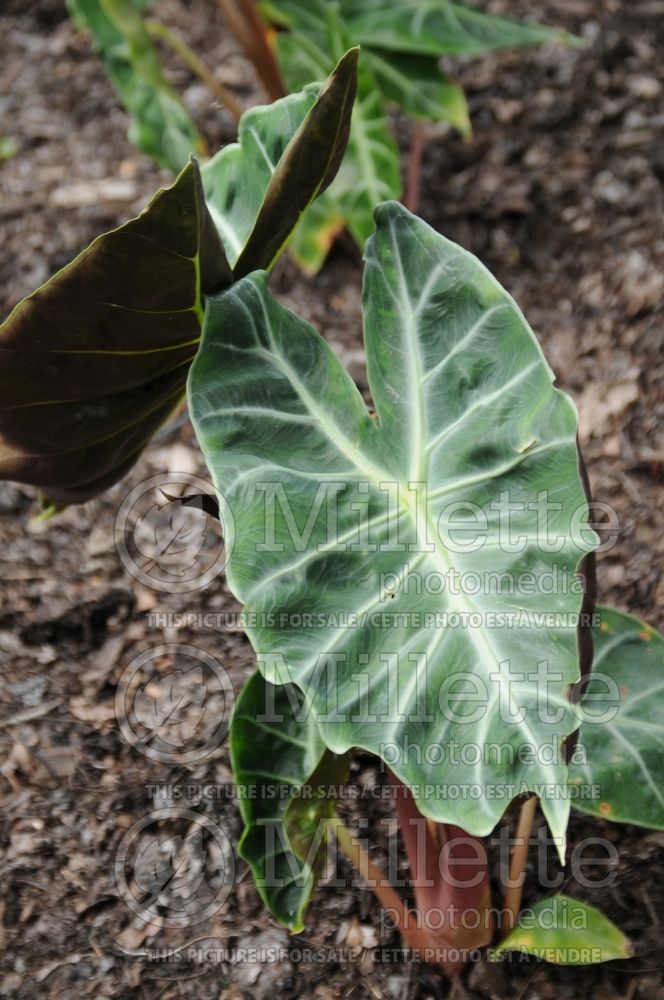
(601, 403)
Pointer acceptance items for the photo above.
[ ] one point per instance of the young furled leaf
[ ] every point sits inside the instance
(286, 155)
(620, 750)
(308, 166)
(364, 522)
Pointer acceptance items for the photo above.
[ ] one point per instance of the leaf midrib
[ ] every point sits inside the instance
(376, 474)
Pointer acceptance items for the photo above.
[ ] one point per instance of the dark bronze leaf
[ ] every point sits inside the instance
(96, 359)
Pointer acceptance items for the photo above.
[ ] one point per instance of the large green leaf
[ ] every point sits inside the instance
(438, 27)
(96, 359)
(466, 408)
(160, 124)
(566, 931)
(275, 751)
(622, 735)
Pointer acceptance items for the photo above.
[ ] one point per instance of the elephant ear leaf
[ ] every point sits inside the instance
(277, 751)
(620, 754)
(97, 358)
(466, 415)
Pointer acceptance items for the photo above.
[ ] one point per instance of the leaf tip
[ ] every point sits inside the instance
(346, 70)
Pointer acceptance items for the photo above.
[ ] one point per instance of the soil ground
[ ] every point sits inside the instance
(561, 194)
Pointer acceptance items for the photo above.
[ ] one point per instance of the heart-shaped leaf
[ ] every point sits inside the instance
(566, 931)
(620, 751)
(373, 553)
(160, 126)
(275, 750)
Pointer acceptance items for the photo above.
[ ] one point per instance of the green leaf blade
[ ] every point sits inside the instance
(623, 746)
(566, 931)
(417, 85)
(431, 311)
(273, 754)
(439, 27)
(160, 125)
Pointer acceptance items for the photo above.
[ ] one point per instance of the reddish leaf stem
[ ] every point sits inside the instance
(514, 891)
(251, 32)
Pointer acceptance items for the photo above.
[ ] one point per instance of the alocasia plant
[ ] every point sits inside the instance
(411, 571)
(453, 431)
(116, 330)
(350, 527)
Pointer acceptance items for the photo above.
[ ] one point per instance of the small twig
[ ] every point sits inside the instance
(251, 32)
(414, 178)
(28, 714)
(514, 891)
(197, 67)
